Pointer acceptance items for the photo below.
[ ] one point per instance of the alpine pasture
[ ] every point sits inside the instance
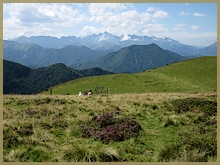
(171, 112)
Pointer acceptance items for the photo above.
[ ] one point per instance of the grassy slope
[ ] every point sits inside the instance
(194, 75)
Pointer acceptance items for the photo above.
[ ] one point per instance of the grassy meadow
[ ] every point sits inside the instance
(39, 128)
(171, 113)
(193, 75)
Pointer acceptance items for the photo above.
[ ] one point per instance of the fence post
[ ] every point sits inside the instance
(50, 91)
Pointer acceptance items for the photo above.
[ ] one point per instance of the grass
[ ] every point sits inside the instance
(194, 75)
(42, 128)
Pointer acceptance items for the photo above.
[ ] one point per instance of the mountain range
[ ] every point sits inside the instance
(106, 51)
(19, 79)
(106, 41)
(133, 59)
(33, 55)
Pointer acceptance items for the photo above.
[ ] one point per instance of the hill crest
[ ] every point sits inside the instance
(133, 59)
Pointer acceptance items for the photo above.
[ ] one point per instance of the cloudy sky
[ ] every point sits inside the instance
(188, 23)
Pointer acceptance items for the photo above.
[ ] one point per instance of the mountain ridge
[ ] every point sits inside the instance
(112, 42)
(35, 55)
(132, 59)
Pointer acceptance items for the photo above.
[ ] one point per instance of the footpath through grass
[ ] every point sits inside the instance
(174, 127)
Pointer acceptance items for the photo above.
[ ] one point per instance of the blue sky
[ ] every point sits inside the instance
(189, 23)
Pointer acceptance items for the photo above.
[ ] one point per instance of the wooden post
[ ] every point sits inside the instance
(50, 91)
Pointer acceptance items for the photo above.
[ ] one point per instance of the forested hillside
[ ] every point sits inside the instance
(19, 79)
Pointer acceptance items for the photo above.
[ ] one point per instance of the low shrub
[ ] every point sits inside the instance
(109, 127)
(184, 105)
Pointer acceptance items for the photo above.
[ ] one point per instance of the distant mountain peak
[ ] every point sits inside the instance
(125, 37)
(154, 38)
(104, 36)
(106, 33)
(168, 39)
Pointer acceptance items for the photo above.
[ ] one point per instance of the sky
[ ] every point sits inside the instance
(189, 23)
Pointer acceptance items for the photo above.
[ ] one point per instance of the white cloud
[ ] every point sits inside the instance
(150, 9)
(179, 27)
(17, 30)
(116, 18)
(160, 14)
(195, 27)
(191, 38)
(39, 19)
(42, 13)
(182, 13)
(149, 28)
(199, 15)
(88, 30)
(97, 9)
(121, 21)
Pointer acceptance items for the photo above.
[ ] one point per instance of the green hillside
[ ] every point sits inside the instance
(194, 75)
(133, 59)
